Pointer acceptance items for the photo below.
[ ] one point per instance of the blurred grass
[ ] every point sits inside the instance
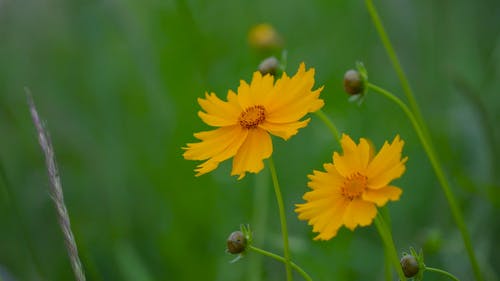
(117, 82)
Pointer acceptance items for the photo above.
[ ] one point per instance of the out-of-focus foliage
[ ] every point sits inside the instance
(117, 83)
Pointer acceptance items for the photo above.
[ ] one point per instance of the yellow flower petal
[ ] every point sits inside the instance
(387, 164)
(326, 206)
(325, 215)
(206, 167)
(354, 159)
(217, 112)
(284, 130)
(359, 212)
(257, 147)
(320, 193)
(216, 121)
(332, 221)
(311, 210)
(293, 97)
(382, 195)
(257, 92)
(216, 145)
(330, 180)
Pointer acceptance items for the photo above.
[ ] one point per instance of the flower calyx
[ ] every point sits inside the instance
(238, 242)
(412, 264)
(355, 83)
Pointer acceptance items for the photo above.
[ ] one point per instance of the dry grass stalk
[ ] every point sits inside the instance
(56, 191)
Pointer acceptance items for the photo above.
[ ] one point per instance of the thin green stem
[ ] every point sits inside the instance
(281, 259)
(387, 265)
(281, 207)
(329, 123)
(385, 234)
(442, 272)
(260, 210)
(395, 62)
(452, 202)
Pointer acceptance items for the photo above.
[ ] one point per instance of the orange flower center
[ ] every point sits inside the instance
(252, 117)
(354, 186)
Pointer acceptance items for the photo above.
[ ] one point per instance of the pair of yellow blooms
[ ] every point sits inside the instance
(349, 189)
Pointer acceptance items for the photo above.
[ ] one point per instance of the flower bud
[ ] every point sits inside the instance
(410, 266)
(236, 242)
(269, 66)
(353, 82)
(264, 37)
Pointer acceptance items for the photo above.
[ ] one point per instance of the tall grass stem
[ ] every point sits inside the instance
(56, 191)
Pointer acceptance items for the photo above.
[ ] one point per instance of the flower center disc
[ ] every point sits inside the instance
(354, 186)
(251, 117)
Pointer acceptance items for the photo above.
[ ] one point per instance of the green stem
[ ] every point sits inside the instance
(329, 123)
(387, 265)
(395, 62)
(452, 202)
(260, 210)
(281, 207)
(386, 236)
(442, 272)
(281, 259)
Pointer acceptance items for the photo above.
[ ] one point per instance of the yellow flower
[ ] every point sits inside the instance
(352, 186)
(247, 119)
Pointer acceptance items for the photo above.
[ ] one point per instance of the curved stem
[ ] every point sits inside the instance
(442, 272)
(281, 207)
(329, 123)
(385, 234)
(395, 62)
(281, 259)
(452, 202)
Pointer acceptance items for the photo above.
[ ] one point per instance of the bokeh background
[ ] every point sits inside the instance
(117, 83)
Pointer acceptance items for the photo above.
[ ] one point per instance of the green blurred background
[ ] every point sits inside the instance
(117, 83)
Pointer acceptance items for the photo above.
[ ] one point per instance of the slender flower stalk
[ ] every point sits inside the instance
(281, 208)
(424, 132)
(451, 276)
(281, 259)
(384, 213)
(455, 210)
(385, 234)
(56, 191)
(329, 123)
(395, 63)
(387, 266)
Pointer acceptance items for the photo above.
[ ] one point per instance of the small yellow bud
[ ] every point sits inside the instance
(264, 37)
